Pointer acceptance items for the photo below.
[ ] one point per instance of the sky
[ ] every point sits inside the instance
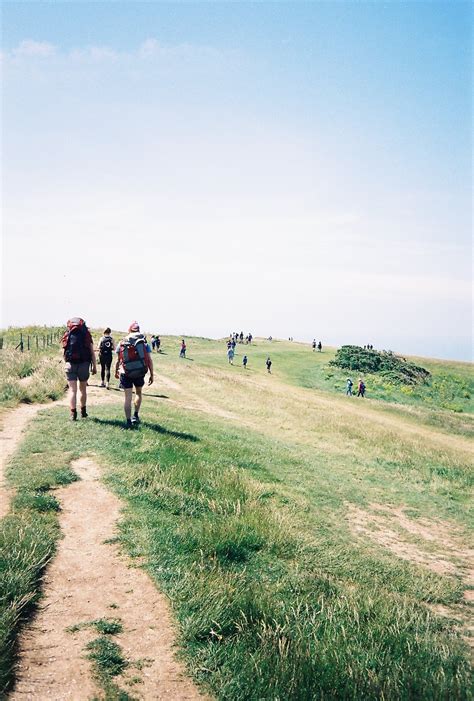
(293, 169)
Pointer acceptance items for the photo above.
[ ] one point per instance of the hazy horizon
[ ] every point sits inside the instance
(287, 169)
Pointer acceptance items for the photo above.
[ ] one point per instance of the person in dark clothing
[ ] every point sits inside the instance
(244, 362)
(182, 352)
(320, 346)
(361, 388)
(106, 349)
(268, 363)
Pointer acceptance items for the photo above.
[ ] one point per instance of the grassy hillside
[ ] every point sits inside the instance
(313, 545)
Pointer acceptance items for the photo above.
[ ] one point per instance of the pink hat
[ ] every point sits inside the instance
(134, 326)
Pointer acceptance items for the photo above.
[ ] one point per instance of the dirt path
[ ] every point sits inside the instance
(14, 423)
(86, 577)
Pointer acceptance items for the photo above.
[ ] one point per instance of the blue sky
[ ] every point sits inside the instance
(289, 168)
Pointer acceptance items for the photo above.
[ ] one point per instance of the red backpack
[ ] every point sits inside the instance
(133, 356)
(76, 341)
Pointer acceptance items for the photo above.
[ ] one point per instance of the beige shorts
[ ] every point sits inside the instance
(78, 371)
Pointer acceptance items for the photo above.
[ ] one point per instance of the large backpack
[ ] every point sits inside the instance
(106, 347)
(76, 342)
(134, 356)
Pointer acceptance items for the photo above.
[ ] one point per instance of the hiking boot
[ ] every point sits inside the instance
(73, 414)
(128, 423)
(83, 412)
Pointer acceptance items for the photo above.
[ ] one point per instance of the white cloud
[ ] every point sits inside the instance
(94, 54)
(29, 47)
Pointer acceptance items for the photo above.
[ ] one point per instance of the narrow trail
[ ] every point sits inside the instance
(14, 423)
(89, 579)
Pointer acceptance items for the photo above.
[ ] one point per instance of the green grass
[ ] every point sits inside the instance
(274, 597)
(27, 537)
(243, 523)
(30, 376)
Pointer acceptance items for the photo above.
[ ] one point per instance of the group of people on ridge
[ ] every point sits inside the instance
(133, 363)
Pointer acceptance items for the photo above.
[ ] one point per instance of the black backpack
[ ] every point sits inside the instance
(76, 347)
(106, 347)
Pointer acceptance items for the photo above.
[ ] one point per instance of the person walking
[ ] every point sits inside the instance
(268, 363)
(134, 361)
(314, 345)
(230, 355)
(349, 385)
(106, 350)
(158, 344)
(320, 346)
(182, 352)
(361, 388)
(245, 360)
(79, 356)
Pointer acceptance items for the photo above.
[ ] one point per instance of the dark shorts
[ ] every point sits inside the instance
(128, 383)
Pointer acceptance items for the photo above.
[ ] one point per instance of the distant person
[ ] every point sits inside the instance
(361, 388)
(241, 337)
(320, 346)
(106, 350)
(349, 385)
(133, 363)
(230, 355)
(79, 356)
(270, 338)
(233, 344)
(153, 342)
(268, 363)
(314, 345)
(250, 338)
(182, 352)
(245, 360)
(158, 344)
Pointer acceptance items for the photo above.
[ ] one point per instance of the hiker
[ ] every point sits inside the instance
(230, 355)
(153, 342)
(320, 346)
(106, 349)
(79, 356)
(182, 352)
(250, 338)
(268, 363)
(158, 344)
(314, 345)
(361, 388)
(349, 386)
(245, 360)
(133, 362)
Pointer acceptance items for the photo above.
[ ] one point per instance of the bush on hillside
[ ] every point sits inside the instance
(395, 369)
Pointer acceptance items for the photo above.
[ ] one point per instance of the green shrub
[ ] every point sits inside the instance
(394, 369)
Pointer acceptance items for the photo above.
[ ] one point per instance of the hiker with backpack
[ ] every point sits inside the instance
(106, 350)
(79, 356)
(245, 360)
(361, 388)
(133, 363)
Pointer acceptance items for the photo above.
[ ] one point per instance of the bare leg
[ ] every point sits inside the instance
(138, 399)
(83, 392)
(72, 393)
(128, 403)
